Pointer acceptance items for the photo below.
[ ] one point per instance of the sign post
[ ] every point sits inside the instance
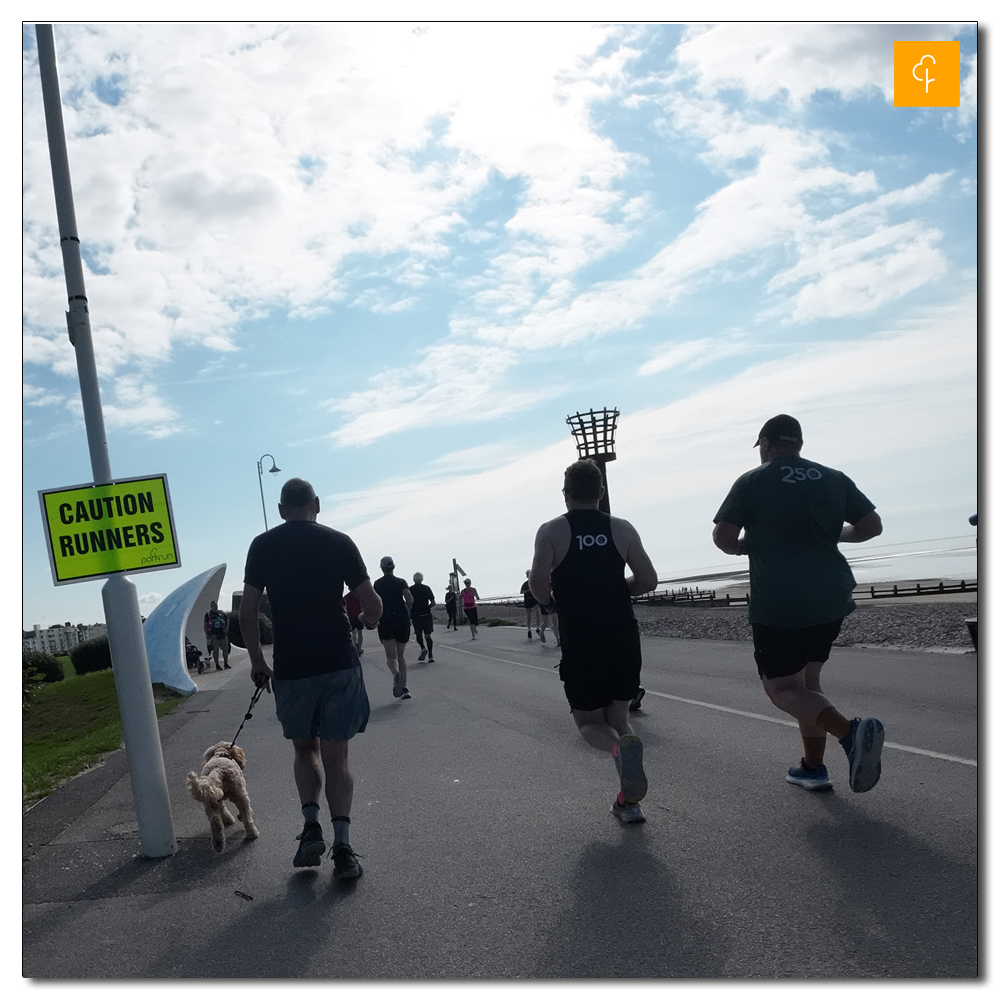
(121, 600)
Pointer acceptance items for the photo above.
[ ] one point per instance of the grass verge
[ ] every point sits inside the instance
(71, 725)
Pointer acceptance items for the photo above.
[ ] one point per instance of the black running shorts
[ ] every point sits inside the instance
(781, 652)
(398, 629)
(473, 615)
(423, 624)
(597, 670)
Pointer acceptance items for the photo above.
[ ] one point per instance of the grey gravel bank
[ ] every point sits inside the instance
(920, 625)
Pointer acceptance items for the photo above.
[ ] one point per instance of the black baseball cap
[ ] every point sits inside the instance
(781, 428)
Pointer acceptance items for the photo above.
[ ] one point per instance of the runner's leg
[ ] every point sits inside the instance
(389, 645)
(812, 709)
(813, 737)
(401, 660)
(339, 781)
(603, 727)
(308, 777)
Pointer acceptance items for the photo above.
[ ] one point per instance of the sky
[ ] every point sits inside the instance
(395, 257)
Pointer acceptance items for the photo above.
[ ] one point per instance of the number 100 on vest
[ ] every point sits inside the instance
(122, 527)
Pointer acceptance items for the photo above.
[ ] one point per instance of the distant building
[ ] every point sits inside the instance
(60, 639)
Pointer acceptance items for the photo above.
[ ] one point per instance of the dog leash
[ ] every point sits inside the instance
(249, 715)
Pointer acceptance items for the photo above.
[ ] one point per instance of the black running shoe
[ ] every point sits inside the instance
(637, 700)
(311, 846)
(345, 862)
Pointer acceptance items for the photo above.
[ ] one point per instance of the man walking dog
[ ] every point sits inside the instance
(319, 690)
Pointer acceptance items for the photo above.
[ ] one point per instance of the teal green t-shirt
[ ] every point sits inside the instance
(793, 511)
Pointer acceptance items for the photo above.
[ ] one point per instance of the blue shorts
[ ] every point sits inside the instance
(332, 706)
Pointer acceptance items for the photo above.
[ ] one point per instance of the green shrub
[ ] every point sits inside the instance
(44, 664)
(91, 656)
(236, 636)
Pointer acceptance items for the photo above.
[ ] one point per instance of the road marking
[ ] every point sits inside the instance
(732, 711)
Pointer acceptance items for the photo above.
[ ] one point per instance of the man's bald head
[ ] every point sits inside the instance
(297, 493)
(298, 501)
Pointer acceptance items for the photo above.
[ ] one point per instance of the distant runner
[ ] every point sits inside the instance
(580, 560)
(353, 608)
(394, 625)
(469, 596)
(794, 512)
(420, 615)
(449, 606)
(549, 619)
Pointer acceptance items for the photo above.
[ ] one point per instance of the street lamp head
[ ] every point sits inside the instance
(274, 470)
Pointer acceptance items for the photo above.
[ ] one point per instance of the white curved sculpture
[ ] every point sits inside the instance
(180, 614)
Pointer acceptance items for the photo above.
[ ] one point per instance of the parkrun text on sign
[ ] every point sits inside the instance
(926, 74)
(121, 527)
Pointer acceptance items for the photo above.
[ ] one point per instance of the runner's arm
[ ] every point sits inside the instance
(407, 598)
(371, 604)
(643, 578)
(260, 673)
(727, 537)
(540, 575)
(868, 527)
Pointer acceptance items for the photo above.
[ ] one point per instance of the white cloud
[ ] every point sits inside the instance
(695, 354)
(453, 383)
(800, 58)
(894, 405)
(137, 404)
(33, 395)
(250, 166)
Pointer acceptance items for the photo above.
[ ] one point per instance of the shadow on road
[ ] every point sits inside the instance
(277, 939)
(911, 908)
(626, 917)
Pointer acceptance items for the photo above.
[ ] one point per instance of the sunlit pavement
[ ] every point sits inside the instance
(489, 852)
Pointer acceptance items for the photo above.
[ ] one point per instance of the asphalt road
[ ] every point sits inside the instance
(489, 851)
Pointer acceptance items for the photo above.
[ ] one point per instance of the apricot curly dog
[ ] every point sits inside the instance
(222, 778)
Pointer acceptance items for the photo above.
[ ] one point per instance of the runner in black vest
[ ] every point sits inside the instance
(580, 561)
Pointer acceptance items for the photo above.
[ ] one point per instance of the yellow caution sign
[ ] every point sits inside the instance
(122, 527)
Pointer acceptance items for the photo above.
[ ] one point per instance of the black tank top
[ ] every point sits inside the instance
(589, 584)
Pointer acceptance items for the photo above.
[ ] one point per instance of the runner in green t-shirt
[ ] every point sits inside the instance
(793, 513)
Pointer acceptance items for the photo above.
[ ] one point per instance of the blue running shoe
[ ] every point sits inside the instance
(863, 746)
(815, 779)
(628, 761)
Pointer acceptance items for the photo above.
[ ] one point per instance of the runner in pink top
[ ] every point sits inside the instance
(469, 596)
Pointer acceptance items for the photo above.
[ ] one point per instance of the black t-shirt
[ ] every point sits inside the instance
(423, 598)
(589, 584)
(304, 566)
(793, 511)
(390, 589)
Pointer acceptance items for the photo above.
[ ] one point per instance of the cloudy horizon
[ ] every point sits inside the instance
(380, 254)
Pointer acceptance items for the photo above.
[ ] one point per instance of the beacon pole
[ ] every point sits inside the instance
(121, 602)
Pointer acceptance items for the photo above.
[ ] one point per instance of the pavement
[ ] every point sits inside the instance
(489, 852)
